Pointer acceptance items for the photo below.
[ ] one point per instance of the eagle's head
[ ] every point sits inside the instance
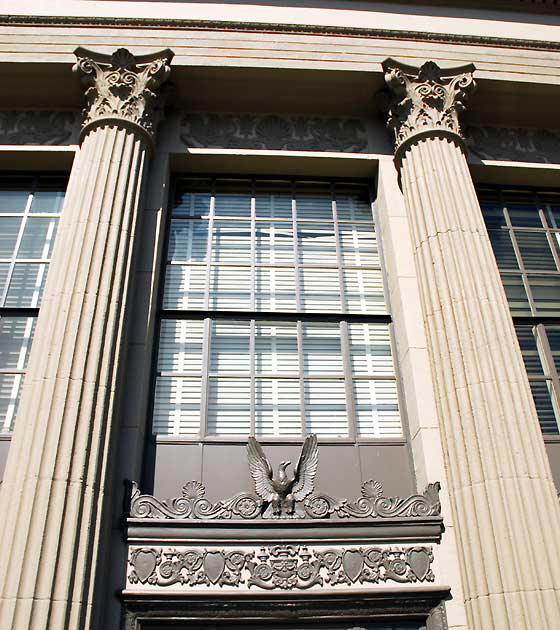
(282, 469)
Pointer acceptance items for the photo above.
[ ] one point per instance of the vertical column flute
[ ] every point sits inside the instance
(506, 511)
(52, 499)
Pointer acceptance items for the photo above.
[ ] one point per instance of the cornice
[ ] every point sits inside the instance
(258, 27)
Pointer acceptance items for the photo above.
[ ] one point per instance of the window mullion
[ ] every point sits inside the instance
(205, 385)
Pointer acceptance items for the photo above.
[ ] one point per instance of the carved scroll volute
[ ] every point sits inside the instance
(123, 88)
(426, 101)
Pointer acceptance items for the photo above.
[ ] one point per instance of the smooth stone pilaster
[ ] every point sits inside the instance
(506, 510)
(53, 497)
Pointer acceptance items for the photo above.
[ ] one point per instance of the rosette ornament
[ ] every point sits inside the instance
(426, 101)
(123, 88)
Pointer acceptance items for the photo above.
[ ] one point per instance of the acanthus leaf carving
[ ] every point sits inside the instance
(123, 86)
(424, 100)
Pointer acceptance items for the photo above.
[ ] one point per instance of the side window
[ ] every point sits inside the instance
(524, 229)
(30, 209)
(274, 321)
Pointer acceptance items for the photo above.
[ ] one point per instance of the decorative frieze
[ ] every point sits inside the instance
(425, 100)
(278, 567)
(514, 144)
(273, 132)
(38, 127)
(193, 505)
(123, 86)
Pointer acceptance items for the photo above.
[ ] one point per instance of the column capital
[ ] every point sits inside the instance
(122, 88)
(426, 101)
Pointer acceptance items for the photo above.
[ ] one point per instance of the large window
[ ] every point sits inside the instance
(29, 212)
(274, 320)
(524, 229)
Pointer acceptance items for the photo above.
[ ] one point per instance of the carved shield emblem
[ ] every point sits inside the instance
(352, 563)
(214, 564)
(145, 564)
(419, 561)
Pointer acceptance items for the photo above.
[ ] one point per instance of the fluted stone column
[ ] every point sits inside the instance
(52, 500)
(506, 511)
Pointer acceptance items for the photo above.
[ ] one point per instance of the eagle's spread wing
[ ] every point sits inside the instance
(261, 470)
(306, 469)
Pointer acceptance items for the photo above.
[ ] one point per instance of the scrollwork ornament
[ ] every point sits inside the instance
(123, 87)
(426, 101)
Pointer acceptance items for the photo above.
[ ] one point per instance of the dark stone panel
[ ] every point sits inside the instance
(224, 470)
(391, 465)
(4, 448)
(173, 465)
(553, 450)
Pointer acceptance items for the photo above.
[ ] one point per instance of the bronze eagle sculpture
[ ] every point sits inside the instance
(282, 493)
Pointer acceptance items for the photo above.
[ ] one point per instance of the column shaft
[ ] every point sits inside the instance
(507, 513)
(55, 476)
(58, 471)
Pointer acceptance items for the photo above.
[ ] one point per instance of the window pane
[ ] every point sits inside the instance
(231, 242)
(274, 243)
(527, 337)
(229, 347)
(321, 349)
(314, 201)
(358, 245)
(229, 406)
(187, 240)
(364, 291)
(516, 295)
(230, 288)
(553, 335)
(370, 349)
(273, 200)
(524, 215)
(277, 407)
(16, 334)
(276, 348)
(49, 195)
(542, 396)
(192, 198)
(177, 406)
(185, 287)
(353, 204)
(38, 238)
(535, 251)
(325, 408)
(9, 230)
(546, 294)
(377, 409)
(10, 392)
(180, 345)
(275, 289)
(503, 249)
(26, 285)
(233, 198)
(320, 290)
(316, 244)
(14, 197)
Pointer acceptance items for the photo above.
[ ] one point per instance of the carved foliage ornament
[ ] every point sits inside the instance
(193, 505)
(37, 127)
(273, 132)
(426, 99)
(122, 86)
(279, 567)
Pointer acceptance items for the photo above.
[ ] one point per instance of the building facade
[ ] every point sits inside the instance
(280, 315)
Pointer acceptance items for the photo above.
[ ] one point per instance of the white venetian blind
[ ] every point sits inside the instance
(239, 250)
